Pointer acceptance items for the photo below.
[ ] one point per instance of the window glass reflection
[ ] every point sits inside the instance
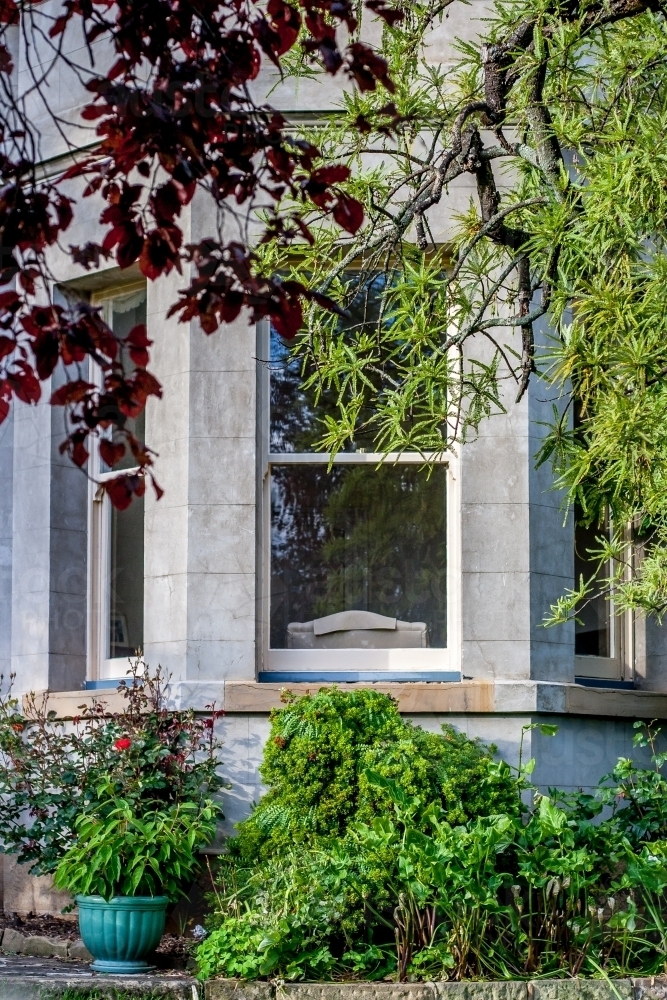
(128, 311)
(358, 538)
(592, 633)
(126, 528)
(126, 583)
(297, 414)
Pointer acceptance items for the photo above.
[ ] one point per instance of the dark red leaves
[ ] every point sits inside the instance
(159, 492)
(166, 203)
(71, 392)
(126, 233)
(317, 187)
(6, 63)
(20, 381)
(362, 124)
(135, 390)
(392, 15)
(348, 213)
(24, 383)
(63, 207)
(59, 26)
(368, 68)
(128, 240)
(192, 123)
(334, 174)
(286, 21)
(93, 111)
(160, 252)
(77, 449)
(288, 317)
(111, 453)
(138, 342)
(9, 299)
(89, 255)
(121, 490)
(9, 12)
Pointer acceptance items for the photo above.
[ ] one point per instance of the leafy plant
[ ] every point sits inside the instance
(638, 796)
(554, 269)
(53, 772)
(117, 853)
(407, 885)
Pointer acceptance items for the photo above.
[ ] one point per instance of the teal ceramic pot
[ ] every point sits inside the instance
(121, 933)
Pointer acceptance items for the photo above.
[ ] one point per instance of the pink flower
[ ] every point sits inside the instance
(124, 743)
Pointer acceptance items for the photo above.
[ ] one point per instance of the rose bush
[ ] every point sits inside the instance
(56, 775)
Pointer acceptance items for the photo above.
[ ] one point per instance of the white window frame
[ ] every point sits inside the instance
(99, 666)
(361, 664)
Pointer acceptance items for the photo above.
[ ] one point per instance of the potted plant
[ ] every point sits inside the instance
(124, 869)
(117, 803)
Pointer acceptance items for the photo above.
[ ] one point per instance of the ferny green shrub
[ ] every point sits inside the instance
(381, 851)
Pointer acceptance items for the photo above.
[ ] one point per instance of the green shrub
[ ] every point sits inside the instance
(450, 768)
(425, 865)
(319, 748)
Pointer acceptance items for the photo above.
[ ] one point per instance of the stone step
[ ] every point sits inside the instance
(25, 977)
(32, 978)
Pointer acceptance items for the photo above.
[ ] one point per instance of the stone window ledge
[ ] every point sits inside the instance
(467, 697)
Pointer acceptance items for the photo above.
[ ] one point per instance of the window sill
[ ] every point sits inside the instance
(412, 696)
(417, 698)
(316, 676)
(472, 697)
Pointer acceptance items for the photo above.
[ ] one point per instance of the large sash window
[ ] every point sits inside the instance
(359, 562)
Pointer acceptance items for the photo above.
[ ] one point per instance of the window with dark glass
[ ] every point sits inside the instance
(593, 629)
(126, 528)
(366, 535)
(126, 582)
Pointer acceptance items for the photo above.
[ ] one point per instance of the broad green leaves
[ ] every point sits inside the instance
(120, 853)
(576, 885)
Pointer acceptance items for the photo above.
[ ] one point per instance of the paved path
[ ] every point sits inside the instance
(23, 977)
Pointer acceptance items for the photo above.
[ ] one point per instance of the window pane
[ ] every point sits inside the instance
(358, 538)
(128, 311)
(593, 636)
(297, 415)
(126, 583)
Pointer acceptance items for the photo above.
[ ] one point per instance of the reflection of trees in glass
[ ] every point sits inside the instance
(126, 580)
(358, 538)
(128, 311)
(593, 622)
(297, 414)
(126, 565)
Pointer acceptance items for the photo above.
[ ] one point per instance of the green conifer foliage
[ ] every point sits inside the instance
(319, 749)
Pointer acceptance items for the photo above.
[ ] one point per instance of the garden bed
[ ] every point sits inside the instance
(55, 937)
(43, 924)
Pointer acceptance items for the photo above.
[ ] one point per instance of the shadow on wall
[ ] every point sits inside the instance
(244, 737)
(583, 751)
